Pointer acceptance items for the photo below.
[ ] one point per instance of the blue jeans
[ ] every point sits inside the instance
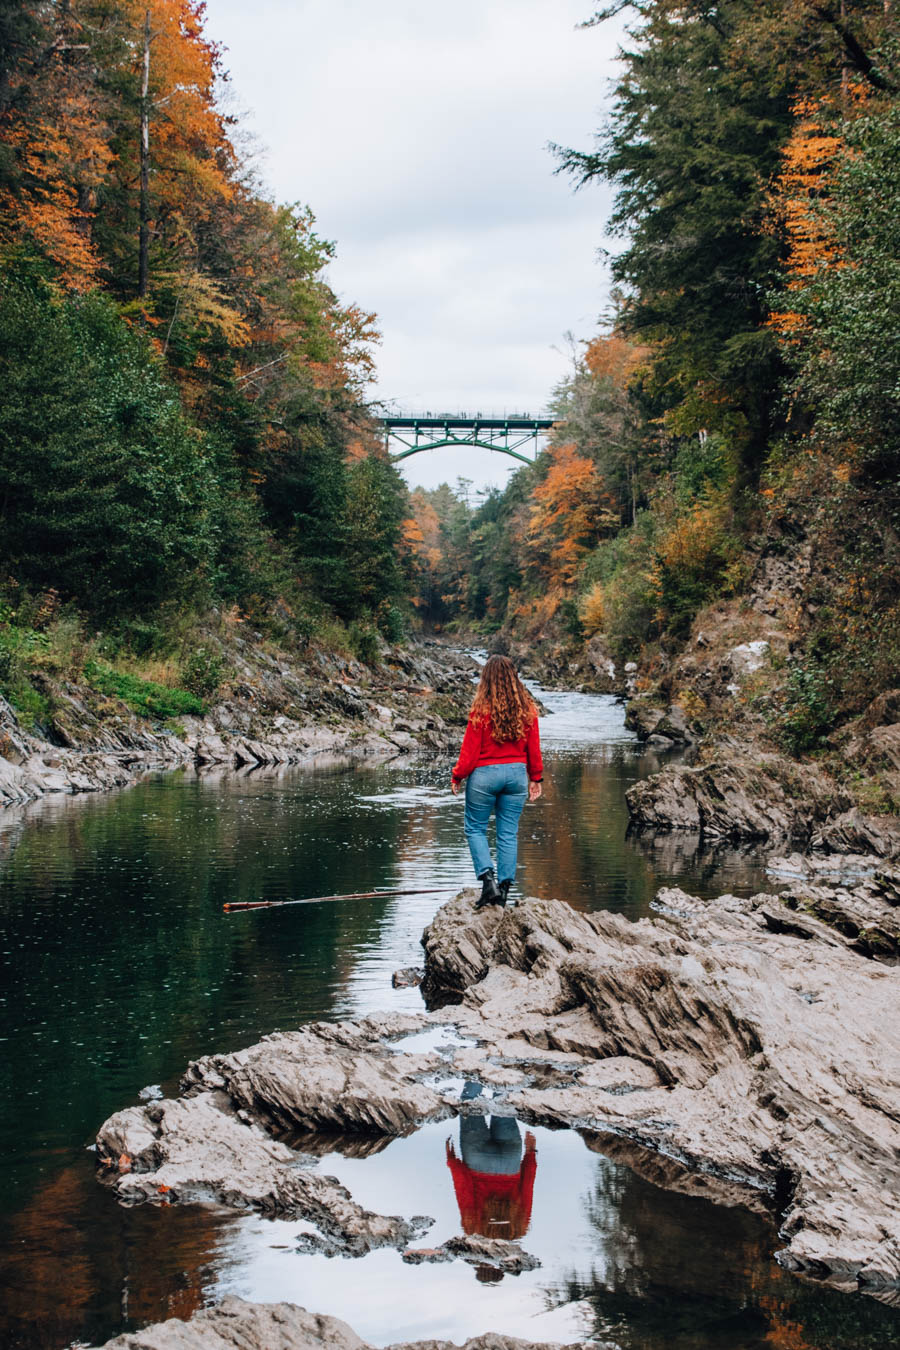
(501, 788)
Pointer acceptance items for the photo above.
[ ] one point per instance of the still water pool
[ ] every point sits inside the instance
(119, 966)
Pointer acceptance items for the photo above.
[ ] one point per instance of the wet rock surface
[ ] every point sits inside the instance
(235, 1324)
(741, 1048)
(199, 1149)
(408, 977)
(507, 1257)
(273, 711)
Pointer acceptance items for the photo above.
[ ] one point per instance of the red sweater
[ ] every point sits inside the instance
(494, 1205)
(479, 747)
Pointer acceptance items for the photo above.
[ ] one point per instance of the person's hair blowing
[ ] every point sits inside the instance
(502, 697)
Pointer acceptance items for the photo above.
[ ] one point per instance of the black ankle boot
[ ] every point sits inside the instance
(490, 891)
(504, 891)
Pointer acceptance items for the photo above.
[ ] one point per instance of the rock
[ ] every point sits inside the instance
(738, 797)
(819, 866)
(507, 1257)
(274, 711)
(328, 1077)
(853, 832)
(660, 726)
(642, 717)
(746, 658)
(408, 978)
(773, 1054)
(602, 667)
(457, 954)
(481, 1251)
(418, 1256)
(862, 907)
(762, 796)
(234, 1324)
(198, 1149)
(674, 727)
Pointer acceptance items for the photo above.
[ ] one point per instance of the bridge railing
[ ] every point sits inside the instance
(463, 415)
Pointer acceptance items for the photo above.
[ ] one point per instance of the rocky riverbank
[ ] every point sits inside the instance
(272, 710)
(739, 1049)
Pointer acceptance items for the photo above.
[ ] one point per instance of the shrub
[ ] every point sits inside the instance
(365, 643)
(391, 622)
(202, 671)
(806, 709)
(691, 556)
(593, 610)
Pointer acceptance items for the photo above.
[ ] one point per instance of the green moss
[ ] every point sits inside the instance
(144, 696)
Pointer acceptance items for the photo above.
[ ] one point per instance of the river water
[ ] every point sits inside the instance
(119, 966)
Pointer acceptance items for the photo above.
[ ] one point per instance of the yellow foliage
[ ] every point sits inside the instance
(592, 610)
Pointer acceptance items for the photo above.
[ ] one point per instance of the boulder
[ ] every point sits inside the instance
(234, 1324)
(738, 796)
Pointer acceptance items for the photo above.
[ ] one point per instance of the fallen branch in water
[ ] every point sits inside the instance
(230, 905)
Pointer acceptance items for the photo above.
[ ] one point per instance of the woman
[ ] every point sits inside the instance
(501, 762)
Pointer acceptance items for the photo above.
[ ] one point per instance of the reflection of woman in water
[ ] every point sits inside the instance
(494, 1182)
(501, 762)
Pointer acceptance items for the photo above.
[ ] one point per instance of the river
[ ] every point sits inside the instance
(119, 966)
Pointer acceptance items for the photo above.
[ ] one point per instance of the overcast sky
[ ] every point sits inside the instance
(418, 133)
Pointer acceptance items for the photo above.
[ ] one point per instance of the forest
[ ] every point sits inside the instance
(739, 410)
(187, 439)
(184, 429)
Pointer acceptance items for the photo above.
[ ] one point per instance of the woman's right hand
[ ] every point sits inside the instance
(534, 790)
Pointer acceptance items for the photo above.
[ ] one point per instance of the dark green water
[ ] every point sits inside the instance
(119, 966)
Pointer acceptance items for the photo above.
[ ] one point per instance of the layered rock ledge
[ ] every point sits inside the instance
(747, 1040)
(236, 1325)
(273, 711)
(760, 796)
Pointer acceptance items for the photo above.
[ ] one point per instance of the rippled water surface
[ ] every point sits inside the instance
(119, 966)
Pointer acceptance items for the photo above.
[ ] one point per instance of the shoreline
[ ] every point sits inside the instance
(276, 712)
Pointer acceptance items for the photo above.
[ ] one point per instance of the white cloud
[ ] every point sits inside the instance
(417, 132)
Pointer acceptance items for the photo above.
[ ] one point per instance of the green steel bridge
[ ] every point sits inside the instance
(505, 433)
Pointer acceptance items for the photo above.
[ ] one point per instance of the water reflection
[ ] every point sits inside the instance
(493, 1177)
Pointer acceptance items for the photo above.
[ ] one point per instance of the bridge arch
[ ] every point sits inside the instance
(506, 434)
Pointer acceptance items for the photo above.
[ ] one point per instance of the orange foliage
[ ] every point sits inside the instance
(59, 140)
(613, 357)
(570, 511)
(592, 610)
(191, 156)
(422, 533)
(809, 159)
(691, 546)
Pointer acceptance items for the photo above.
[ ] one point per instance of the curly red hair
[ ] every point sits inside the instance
(502, 697)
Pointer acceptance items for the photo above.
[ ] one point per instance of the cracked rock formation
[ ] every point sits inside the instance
(761, 1055)
(745, 1039)
(759, 796)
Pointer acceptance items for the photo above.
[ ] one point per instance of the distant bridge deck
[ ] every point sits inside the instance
(505, 433)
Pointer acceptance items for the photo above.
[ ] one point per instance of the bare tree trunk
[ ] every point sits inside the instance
(144, 241)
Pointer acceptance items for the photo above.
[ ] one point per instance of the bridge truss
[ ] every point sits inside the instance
(506, 434)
